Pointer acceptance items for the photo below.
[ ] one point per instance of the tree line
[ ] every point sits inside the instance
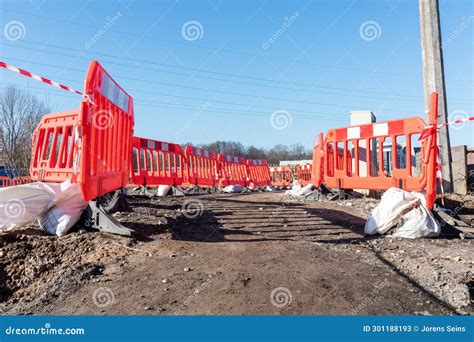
(274, 155)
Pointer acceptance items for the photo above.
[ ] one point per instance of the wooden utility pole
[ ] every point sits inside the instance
(433, 80)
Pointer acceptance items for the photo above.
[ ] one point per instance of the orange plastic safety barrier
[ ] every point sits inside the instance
(90, 145)
(200, 167)
(232, 170)
(281, 176)
(156, 163)
(303, 174)
(258, 172)
(379, 156)
(5, 182)
(21, 180)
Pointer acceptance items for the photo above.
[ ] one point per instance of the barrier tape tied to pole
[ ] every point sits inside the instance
(430, 130)
(44, 80)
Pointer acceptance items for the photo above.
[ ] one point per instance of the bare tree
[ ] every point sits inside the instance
(20, 113)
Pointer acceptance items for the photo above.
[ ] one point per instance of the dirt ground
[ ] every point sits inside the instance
(237, 254)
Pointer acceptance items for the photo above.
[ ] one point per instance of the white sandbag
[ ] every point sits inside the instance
(405, 208)
(232, 189)
(22, 204)
(299, 191)
(63, 216)
(65, 213)
(163, 190)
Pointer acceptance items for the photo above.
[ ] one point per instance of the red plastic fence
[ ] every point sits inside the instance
(258, 172)
(379, 156)
(156, 163)
(303, 174)
(281, 176)
(232, 170)
(5, 182)
(200, 167)
(91, 145)
(21, 180)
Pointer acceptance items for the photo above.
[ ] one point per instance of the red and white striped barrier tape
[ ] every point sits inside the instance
(429, 129)
(44, 80)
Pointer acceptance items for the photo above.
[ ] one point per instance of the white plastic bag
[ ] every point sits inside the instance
(57, 206)
(22, 204)
(399, 206)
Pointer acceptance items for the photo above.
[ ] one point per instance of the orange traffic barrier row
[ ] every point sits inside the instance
(5, 182)
(156, 163)
(303, 174)
(281, 176)
(258, 173)
(94, 146)
(21, 180)
(379, 156)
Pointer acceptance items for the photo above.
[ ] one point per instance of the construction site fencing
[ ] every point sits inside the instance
(5, 182)
(156, 163)
(379, 156)
(201, 167)
(232, 170)
(258, 172)
(303, 174)
(281, 176)
(90, 145)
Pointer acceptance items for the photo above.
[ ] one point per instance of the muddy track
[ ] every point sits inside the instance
(238, 254)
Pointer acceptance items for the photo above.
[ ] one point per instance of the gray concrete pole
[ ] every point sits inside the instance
(433, 79)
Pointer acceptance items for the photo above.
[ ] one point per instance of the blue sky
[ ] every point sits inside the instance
(310, 60)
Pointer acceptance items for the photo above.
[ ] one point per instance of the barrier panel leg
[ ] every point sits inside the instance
(95, 217)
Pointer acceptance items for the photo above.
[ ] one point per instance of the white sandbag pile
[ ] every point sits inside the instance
(57, 206)
(405, 214)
